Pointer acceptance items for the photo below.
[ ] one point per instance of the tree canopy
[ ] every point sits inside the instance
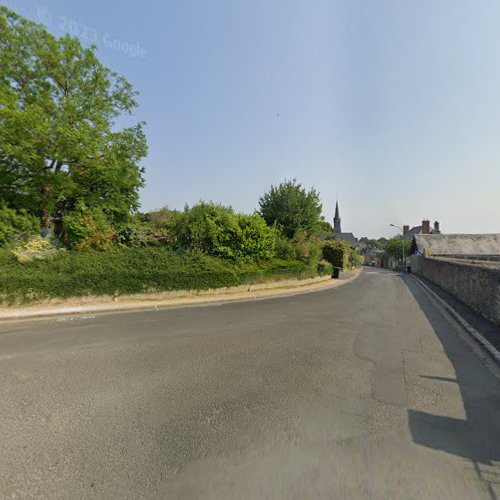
(60, 148)
(373, 243)
(395, 247)
(292, 208)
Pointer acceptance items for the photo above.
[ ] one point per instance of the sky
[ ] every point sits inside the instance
(393, 107)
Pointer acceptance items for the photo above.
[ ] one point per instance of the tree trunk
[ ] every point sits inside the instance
(45, 208)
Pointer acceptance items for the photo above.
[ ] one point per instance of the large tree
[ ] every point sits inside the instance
(292, 208)
(396, 247)
(59, 143)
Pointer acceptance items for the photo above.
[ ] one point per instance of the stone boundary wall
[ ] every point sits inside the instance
(480, 258)
(475, 285)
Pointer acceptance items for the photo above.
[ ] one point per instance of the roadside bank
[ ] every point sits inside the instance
(178, 298)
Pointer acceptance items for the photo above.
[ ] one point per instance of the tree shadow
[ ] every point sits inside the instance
(477, 437)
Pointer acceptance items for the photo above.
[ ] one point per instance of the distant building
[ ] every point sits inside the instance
(470, 246)
(336, 220)
(425, 228)
(481, 247)
(337, 231)
(376, 257)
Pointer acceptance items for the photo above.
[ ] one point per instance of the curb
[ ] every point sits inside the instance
(476, 336)
(182, 298)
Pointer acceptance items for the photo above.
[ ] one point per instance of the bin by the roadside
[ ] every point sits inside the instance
(336, 272)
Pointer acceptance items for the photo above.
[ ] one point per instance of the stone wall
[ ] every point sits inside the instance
(476, 285)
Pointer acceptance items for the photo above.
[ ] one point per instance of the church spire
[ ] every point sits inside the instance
(336, 219)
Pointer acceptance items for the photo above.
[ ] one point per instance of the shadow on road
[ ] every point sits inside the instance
(476, 438)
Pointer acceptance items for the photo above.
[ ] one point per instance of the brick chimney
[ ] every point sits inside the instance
(426, 227)
(436, 228)
(406, 229)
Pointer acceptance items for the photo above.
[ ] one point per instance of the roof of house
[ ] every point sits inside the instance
(417, 230)
(412, 232)
(349, 237)
(457, 244)
(375, 252)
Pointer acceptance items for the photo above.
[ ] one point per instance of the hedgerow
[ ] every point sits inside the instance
(337, 252)
(131, 270)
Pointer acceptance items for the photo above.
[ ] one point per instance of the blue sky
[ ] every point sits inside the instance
(392, 105)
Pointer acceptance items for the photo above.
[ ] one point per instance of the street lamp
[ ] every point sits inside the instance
(403, 234)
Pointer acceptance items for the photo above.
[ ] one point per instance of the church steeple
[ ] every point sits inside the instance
(336, 219)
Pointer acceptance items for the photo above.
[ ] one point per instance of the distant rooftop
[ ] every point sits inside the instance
(374, 252)
(349, 237)
(457, 244)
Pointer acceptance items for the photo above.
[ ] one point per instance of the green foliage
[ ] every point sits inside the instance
(337, 252)
(291, 208)
(308, 250)
(161, 218)
(131, 270)
(276, 270)
(285, 248)
(373, 243)
(394, 248)
(16, 224)
(150, 229)
(37, 248)
(217, 230)
(324, 227)
(89, 229)
(324, 268)
(355, 259)
(59, 145)
(256, 239)
(139, 232)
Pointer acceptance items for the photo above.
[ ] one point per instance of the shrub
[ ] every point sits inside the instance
(324, 268)
(160, 218)
(355, 259)
(256, 240)
(139, 231)
(89, 229)
(301, 248)
(37, 248)
(291, 208)
(285, 248)
(307, 249)
(217, 230)
(124, 270)
(16, 224)
(337, 253)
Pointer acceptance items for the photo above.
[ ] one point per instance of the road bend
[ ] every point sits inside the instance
(363, 391)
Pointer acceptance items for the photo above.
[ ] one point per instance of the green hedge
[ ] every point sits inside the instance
(337, 252)
(130, 270)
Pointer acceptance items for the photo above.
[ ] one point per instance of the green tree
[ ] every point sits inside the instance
(394, 248)
(217, 230)
(291, 208)
(370, 243)
(16, 224)
(59, 145)
(324, 226)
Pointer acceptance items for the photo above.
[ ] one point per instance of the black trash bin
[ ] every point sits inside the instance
(336, 272)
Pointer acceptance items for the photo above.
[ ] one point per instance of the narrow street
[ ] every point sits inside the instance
(363, 391)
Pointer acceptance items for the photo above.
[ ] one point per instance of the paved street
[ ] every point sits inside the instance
(363, 391)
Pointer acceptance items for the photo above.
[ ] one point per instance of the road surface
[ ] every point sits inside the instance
(364, 391)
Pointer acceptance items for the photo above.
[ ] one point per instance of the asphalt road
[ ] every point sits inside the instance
(364, 391)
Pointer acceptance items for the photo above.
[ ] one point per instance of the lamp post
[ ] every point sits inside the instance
(402, 233)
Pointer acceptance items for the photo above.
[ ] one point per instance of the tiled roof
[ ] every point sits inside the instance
(349, 237)
(457, 244)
